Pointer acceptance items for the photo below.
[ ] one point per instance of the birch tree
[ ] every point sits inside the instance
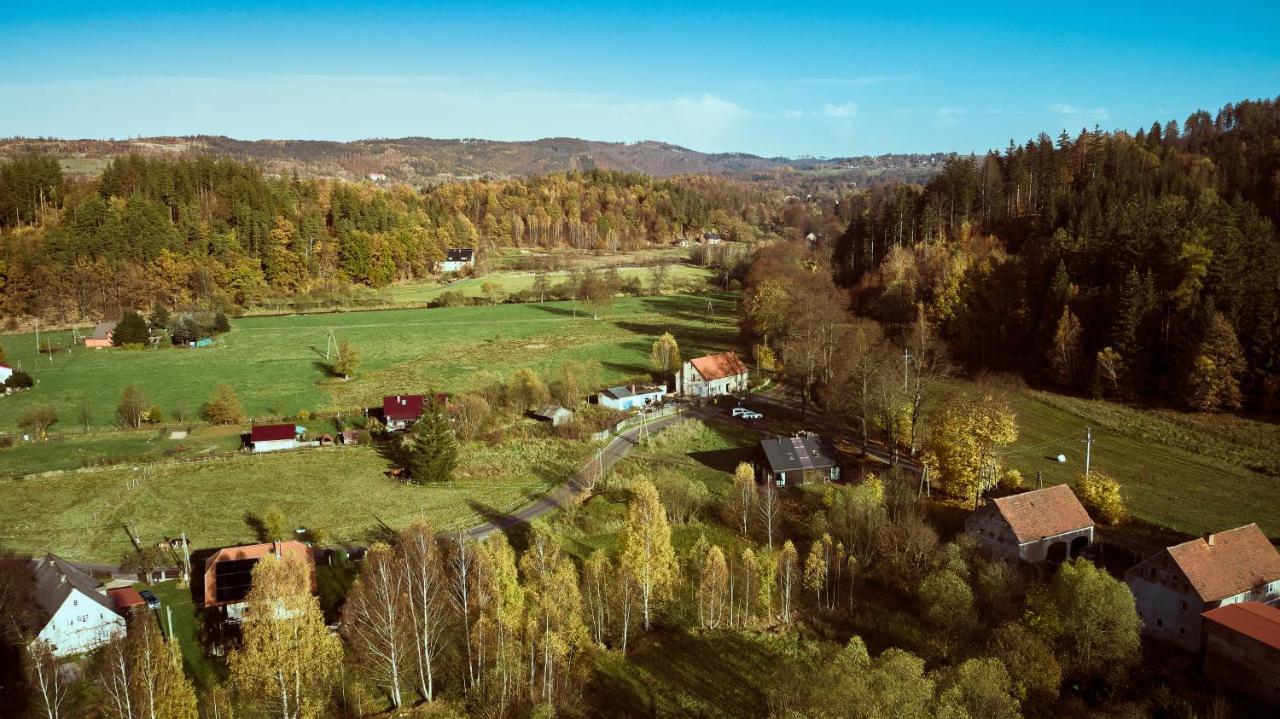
(421, 566)
(741, 500)
(769, 506)
(595, 591)
(713, 587)
(646, 548)
(462, 560)
(788, 571)
(376, 622)
(288, 661)
(553, 612)
(44, 675)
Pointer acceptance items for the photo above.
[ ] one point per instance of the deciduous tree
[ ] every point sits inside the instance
(376, 623)
(646, 548)
(665, 355)
(223, 406)
(133, 404)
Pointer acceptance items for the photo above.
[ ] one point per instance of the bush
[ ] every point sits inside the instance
(1100, 494)
(224, 406)
(220, 323)
(19, 380)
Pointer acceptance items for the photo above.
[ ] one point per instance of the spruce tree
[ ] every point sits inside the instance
(130, 330)
(433, 450)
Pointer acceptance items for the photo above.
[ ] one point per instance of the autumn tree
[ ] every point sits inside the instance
(376, 623)
(979, 687)
(946, 603)
(141, 674)
(1213, 380)
(223, 406)
(1108, 372)
(526, 390)
(740, 502)
(969, 435)
(789, 577)
(421, 567)
(347, 361)
(51, 686)
(665, 355)
(713, 589)
(769, 508)
(288, 660)
(1090, 618)
(596, 573)
(858, 372)
(555, 625)
(132, 406)
(37, 420)
(1100, 494)
(646, 547)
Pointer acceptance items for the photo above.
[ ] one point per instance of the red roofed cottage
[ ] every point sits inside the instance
(712, 376)
(1044, 524)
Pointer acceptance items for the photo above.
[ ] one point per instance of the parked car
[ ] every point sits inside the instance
(749, 415)
(153, 602)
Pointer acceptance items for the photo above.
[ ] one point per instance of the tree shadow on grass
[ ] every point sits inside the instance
(257, 526)
(562, 311)
(515, 528)
(325, 368)
(722, 460)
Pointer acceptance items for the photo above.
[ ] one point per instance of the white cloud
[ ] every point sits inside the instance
(843, 111)
(1068, 110)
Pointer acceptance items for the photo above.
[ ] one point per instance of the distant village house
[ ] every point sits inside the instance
(1042, 525)
(712, 376)
(5, 372)
(631, 397)
(78, 616)
(788, 461)
(711, 238)
(101, 336)
(553, 414)
(402, 410)
(1176, 586)
(274, 437)
(457, 259)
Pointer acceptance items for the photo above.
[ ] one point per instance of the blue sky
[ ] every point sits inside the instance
(772, 79)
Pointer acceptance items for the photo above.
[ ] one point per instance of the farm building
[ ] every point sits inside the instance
(632, 396)
(401, 410)
(125, 599)
(795, 460)
(273, 437)
(77, 615)
(1175, 587)
(712, 376)
(553, 413)
(1046, 524)
(5, 372)
(228, 573)
(101, 336)
(1242, 649)
(711, 238)
(457, 259)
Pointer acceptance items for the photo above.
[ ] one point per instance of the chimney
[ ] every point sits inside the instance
(1208, 539)
(633, 389)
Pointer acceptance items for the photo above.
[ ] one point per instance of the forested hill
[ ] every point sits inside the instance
(200, 232)
(421, 160)
(1125, 264)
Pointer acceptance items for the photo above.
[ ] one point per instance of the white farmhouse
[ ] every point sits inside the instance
(78, 617)
(5, 372)
(632, 396)
(457, 259)
(712, 376)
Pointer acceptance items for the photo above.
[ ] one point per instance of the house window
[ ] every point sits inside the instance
(1184, 605)
(75, 602)
(1159, 622)
(1182, 631)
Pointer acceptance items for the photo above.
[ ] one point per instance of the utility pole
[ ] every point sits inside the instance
(1088, 449)
(37, 337)
(1039, 479)
(186, 559)
(906, 357)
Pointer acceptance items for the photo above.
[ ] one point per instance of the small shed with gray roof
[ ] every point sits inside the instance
(794, 460)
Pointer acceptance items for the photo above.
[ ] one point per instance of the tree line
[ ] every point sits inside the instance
(1127, 265)
(220, 233)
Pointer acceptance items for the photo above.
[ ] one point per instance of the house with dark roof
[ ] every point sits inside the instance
(1046, 524)
(795, 460)
(401, 410)
(456, 259)
(712, 376)
(711, 238)
(228, 574)
(1176, 586)
(101, 337)
(553, 414)
(1242, 649)
(274, 437)
(629, 397)
(78, 616)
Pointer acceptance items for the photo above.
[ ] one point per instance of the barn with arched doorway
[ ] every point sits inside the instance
(1044, 525)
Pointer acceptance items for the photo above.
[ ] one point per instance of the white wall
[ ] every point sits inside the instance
(79, 625)
(275, 444)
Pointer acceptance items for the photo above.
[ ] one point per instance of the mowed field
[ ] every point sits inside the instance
(82, 515)
(1192, 473)
(277, 367)
(513, 282)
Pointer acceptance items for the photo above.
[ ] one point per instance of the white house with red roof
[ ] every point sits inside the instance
(712, 376)
(274, 437)
(5, 372)
(401, 410)
(1046, 524)
(1176, 586)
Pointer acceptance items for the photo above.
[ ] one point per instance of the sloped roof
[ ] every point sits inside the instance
(713, 367)
(1255, 620)
(241, 560)
(1227, 563)
(549, 411)
(790, 454)
(402, 407)
(125, 598)
(1043, 512)
(103, 330)
(635, 390)
(55, 578)
(270, 432)
(460, 254)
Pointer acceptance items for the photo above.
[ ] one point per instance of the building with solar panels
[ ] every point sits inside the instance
(228, 574)
(802, 459)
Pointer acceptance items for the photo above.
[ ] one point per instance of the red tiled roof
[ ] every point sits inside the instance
(1255, 620)
(269, 432)
(1043, 512)
(290, 548)
(1227, 563)
(125, 597)
(402, 407)
(713, 367)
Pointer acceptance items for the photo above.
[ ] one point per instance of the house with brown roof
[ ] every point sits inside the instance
(1042, 525)
(126, 600)
(228, 573)
(401, 410)
(101, 337)
(712, 376)
(1175, 587)
(1242, 649)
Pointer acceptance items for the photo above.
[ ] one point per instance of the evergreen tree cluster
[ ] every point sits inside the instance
(1149, 247)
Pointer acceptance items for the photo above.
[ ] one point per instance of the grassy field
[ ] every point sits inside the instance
(72, 450)
(82, 515)
(512, 282)
(277, 365)
(1191, 473)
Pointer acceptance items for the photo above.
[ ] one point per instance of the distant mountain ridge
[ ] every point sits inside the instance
(426, 160)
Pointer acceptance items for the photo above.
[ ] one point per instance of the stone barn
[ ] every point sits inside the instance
(1042, 525)
(1242, 649)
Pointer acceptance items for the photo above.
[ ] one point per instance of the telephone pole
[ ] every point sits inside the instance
(1088, 449)
(186, 559)
(906, 357)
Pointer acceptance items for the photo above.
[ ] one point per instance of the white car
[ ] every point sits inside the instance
(747, 414)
